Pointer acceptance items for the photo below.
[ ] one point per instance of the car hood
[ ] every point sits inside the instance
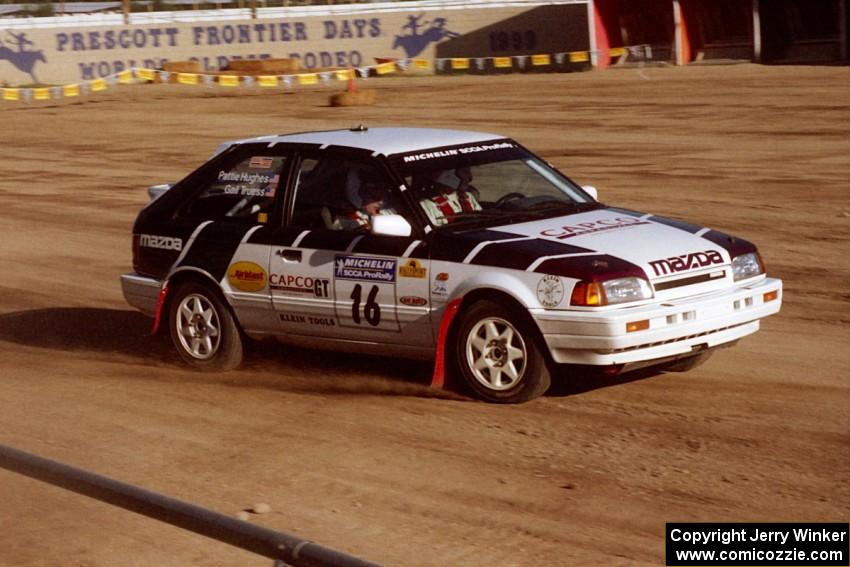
(599, 244)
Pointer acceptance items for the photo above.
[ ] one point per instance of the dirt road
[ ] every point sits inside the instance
(359, 454)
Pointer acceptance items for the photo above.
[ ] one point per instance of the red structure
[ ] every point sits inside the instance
(684, 31)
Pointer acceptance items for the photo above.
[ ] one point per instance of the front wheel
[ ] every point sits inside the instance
(203, 329)
(498, 356)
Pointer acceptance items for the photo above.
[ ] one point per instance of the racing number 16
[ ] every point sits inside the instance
(371, 311)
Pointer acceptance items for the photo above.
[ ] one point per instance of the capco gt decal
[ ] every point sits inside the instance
(246, 276)
(160, 242)
(550, 291)
(363, 268)
(582, 228)
(290, 283)
(686, 262)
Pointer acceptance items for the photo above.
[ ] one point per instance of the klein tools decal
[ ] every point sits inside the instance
(550, 291)
(246, 276)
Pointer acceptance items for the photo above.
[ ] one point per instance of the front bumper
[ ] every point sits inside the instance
(676, 327)
(141, 292)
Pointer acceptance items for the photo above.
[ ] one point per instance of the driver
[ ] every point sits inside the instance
(370, 197)
(448, 193)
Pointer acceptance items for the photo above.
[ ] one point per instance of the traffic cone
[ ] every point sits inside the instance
(352, 81)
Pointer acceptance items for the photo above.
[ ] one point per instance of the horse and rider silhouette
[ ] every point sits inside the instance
(23, 59)
(415, 43)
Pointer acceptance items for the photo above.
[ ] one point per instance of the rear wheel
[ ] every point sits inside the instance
(498, 355)
(203, 329)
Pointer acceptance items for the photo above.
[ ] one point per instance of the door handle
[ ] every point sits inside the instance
(289, 255)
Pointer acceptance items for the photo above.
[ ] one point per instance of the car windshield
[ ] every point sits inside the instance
(495, 183)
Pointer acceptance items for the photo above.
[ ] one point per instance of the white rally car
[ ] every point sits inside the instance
(461, 247)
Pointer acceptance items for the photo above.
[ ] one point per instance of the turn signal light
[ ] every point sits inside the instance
(771, 295)
(637, 326)
(587, 293)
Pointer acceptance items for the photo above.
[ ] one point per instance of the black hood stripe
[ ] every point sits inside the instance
(454, 247)
(681, 225)
(521, 254)
(591, 267)
(732, 244)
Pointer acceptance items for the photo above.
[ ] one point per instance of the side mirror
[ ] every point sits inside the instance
(390, 225)
(591, 190)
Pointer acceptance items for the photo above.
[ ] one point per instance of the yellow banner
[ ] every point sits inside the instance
(385, 68)
(11, 94)
(228, 80)
(460, 63)
(344, 74)
(308, 79)
(541, 59)
(267, 80)
(187, 78)
(579, 56)
(98, 85)
(503, 62)
(41, 94)
(617, 52)
(125, 77)
(421, 64)
(71, 90)
(146, 74)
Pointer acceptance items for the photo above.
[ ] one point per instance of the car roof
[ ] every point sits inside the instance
(387, 141)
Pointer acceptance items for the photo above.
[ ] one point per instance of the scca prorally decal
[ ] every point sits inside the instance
(459, 151)
(579, 229)
(160, 242)
(686, 262)
(363, 268)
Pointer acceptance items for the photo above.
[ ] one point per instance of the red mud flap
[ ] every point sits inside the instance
(439, 379)
(160, 303)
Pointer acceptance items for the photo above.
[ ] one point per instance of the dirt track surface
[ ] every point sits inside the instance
(359, 454)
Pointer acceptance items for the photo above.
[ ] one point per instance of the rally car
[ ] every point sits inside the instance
(460, 247)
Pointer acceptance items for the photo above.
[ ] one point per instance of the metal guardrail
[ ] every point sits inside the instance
(285, 549)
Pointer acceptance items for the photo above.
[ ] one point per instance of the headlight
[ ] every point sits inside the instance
(747, 266)
(621, 290)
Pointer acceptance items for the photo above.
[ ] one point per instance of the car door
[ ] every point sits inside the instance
(330, 276)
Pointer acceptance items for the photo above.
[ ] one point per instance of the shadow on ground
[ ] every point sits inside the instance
(127, 333)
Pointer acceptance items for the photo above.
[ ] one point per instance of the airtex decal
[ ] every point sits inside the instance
(583, 228)
(246, 276)
(686, 262)
(363, 268)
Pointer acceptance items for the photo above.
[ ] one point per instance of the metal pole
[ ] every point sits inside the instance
(126, 8)
(756, 32)
(262, 541)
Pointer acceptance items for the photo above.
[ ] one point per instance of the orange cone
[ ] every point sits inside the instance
(352, 82)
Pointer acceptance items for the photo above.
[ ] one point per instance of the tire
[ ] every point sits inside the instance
(685, 364)
(203, 329)
(498, 355)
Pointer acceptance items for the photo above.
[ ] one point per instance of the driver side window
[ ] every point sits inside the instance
(335, 193)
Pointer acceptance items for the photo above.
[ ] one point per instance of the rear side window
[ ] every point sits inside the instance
(244, 191)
